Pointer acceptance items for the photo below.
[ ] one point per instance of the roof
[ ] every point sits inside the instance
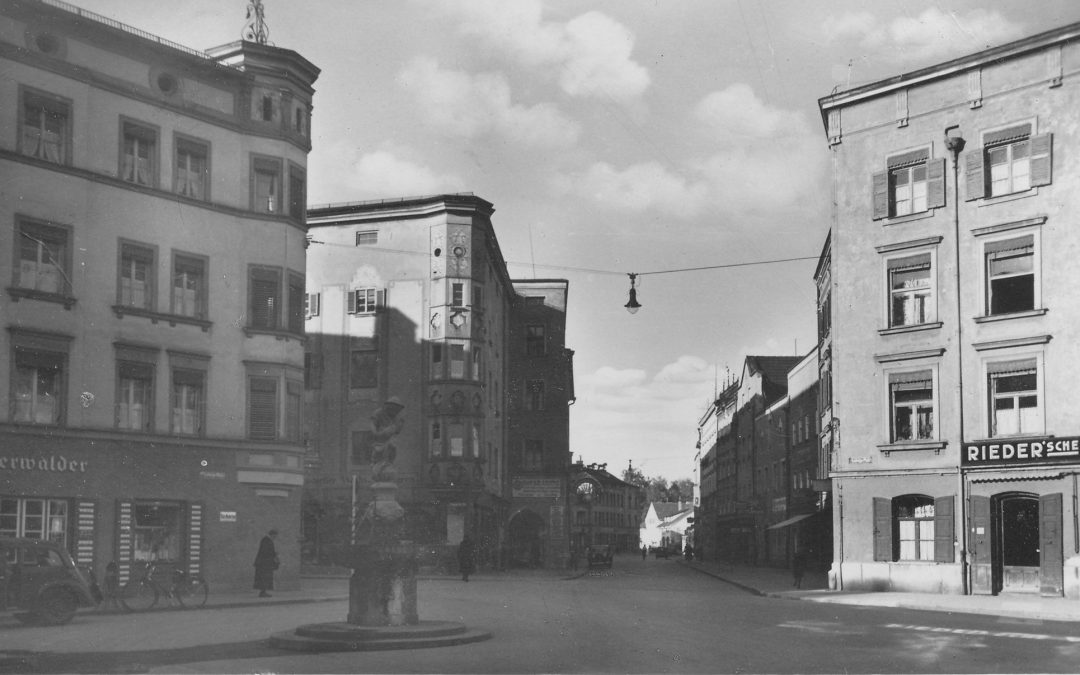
(773, 369)
(665, 510)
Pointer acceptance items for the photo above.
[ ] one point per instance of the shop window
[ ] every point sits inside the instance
(189, 292)
(264, 297)
(46, 127)
(44, 258)
(135, 287)
(912, 182)
(911, 399)
(535, 340)
(188, 402)
(138, 154)
(1012, 160)
(35, 518)
(135, 397)
(1010, 275)
(1014, 397)
(156, 532)
(192, 177)
(911, 291)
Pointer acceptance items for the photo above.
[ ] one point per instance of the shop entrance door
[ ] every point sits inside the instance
(1016, 555)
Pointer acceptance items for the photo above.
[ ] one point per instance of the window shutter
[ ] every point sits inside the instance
(881, 195)
(944, 548)
(195, 538)
(974, 175)
(979, 545)
(935, 183)
(1041, 159)
(1051, 571)
(351, 295)
(123, 540)
(883, 529)
(380, 299)
(263, 409)
(84, 533)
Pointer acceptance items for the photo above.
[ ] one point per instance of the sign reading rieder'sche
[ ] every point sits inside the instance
(1035, 450)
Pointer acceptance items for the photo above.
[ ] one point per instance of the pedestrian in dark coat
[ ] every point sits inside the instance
(266, 561)
(466, 558)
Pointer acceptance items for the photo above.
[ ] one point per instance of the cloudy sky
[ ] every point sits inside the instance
(614, 136)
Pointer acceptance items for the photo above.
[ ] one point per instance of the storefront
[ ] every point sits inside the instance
(1023, 532)
(110, 500)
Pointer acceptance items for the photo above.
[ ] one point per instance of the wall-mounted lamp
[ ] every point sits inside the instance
(632, 305)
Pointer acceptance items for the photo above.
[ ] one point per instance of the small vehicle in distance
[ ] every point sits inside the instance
(40, 578)
(601, 555)
(662, 552)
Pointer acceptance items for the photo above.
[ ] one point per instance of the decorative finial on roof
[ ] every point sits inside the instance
(255, 30)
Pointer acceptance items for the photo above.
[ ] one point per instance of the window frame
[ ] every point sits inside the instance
(534, 394)
(128, 372)
(978, 169)
(920, 539)
(374, 299)
(134, 251)
(45, 100)
(992, 246)
(295, 302)
(884, 190)
(39, 351)
(149, 134)
(265, 274)
(903, 261)
(42, 232)
(187, 376)
(910, 375)
(535, 342)
(202, 293)
(274, 168)
(297, 204)
(999, 366)
(183, 146)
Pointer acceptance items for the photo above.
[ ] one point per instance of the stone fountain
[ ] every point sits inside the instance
(382, 586)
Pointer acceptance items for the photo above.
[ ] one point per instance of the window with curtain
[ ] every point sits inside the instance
(266, 185)
(38, 387)
(188, 402)
(46, 128)
(134, 397)
(189, 286)
(1014, 397)
(192, 175)
(910, 291)
(136, 276)
(912, 402)
(138, 156)
(43, 258)
(913, 520)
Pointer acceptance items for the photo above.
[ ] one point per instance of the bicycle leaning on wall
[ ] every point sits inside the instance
(155, 580)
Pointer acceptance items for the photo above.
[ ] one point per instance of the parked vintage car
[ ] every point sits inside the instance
(601, 555)
(40, 579)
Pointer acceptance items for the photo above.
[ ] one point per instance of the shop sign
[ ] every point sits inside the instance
(227, 516)
(1024, 451)
(536, 488)
(52, 463)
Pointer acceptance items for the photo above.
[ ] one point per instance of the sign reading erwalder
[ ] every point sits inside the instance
(1046, 450)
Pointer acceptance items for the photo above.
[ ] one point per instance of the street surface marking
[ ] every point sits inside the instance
(985, 633)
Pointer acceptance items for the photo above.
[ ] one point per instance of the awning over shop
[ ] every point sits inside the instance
(790, 521)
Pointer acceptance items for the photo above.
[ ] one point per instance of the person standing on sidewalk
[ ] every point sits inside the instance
(466, 562)
(798, 567)
(266, 561)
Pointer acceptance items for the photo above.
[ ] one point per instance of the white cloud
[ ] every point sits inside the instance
(351, 175)
(933, 34)
(473, 106)
(591, 53)
(755, 155)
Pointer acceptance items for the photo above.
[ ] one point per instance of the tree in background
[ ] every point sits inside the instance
(658, 488)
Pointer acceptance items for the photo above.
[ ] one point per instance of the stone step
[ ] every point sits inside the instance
(341, 630)
(434, 634)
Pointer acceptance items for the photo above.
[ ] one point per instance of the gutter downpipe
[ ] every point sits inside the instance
(955, 144)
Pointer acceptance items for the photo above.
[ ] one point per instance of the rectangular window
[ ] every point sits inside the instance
(42, 519)
(435, 439)
(294, 401)
(46, 128)
(437, 362)
(912, 182)
(312, 304)
(43, 258)
(912, 402)
(137, 269)
(189, 286)
(477, 364)
(138, 154)
(262, 408)
(188, 402)
(192, 177)
(534, 395)
(532, 455)
(156, 531)
(457, 361)
(1010, 167)
(296, 304)
(1010, 275)
(266, 185)
(535, 343)
(297, 192)
(476, 441)
(457, 295)
(910, 291)
(366, 300)
(456, 436)
(367, 238)
(364, 369)
(1014, 397)
(915, 528)
(135, 396)
(907, 187)
(264, 298)
(38, 386)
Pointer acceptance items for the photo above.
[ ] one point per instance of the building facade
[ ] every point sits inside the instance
(152, 204)
(605, 510)
(953, 370)
(410, 300)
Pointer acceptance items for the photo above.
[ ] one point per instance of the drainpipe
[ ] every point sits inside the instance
(955, 144)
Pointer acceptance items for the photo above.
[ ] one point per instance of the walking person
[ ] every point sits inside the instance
(266, 561)
(465, 558)
(644, 551)
(798, 567)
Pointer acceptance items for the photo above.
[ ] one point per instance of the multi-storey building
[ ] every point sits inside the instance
(410, 300)
(605, 509)
(152, 201)
(955, 325)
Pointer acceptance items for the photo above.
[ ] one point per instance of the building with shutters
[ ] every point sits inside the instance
(411, 299)
(954, 336)
(151, 357)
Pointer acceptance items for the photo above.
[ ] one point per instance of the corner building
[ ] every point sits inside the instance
(955, 327)
(151, 357)
(410, 299)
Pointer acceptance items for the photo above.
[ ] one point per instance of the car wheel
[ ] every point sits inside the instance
(56, 606)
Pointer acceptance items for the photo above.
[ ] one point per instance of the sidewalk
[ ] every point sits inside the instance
(775, 582)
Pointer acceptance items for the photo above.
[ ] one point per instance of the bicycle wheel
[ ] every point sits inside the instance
(193, 592)
(138, 595)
